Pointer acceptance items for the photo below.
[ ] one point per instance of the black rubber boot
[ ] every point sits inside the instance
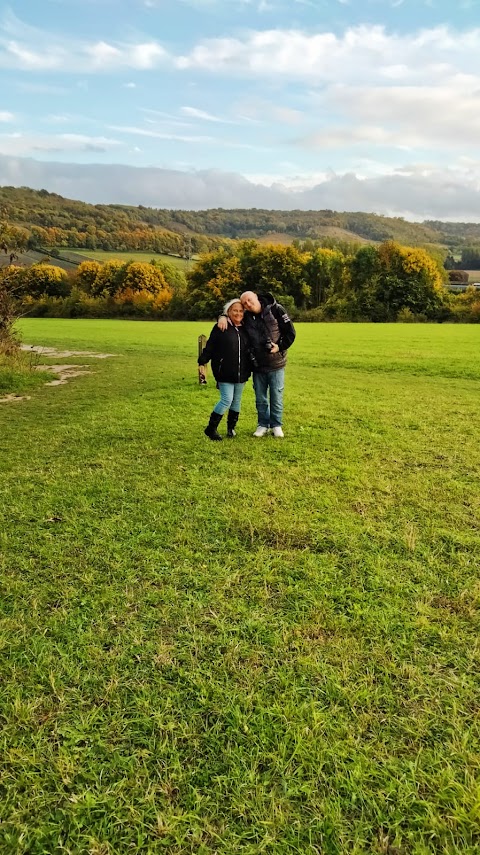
(211, 429)
(232, 420)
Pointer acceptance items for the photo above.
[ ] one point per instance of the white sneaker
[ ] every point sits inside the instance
(277, 431)
(261, 431)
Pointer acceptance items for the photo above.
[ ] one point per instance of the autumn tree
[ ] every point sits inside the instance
(221, 275)
(389, 278)
(465, 307)
(87, 273)
(215, 279)
(45, 279)
(109, 278)
(325, 272)
(144, 287)
(410, 279)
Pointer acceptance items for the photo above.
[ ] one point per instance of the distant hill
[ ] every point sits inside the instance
(75, 225)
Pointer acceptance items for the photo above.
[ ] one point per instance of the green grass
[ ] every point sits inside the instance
(17, 374)
(256, 646)
(104, 255)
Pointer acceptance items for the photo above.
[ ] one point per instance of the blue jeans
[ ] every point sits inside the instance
(230, 397)
(269, 414)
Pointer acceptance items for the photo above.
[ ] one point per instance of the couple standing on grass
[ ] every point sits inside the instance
(253, 334)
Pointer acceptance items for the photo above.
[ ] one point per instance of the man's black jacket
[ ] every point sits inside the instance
(272, 324)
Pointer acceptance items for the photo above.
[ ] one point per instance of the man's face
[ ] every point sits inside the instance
(251, 303)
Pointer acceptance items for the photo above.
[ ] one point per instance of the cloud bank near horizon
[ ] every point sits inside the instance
(415, 192)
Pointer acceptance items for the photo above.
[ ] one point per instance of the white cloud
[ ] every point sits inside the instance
(23, 145)
(358, 56)
(259, 110)
(58, 118)
(361, 55)
(19, 50)
(161, 119)
(183, 138)
(162, 135)
(295, 181)
(444, 117)
(5, 116)
(194, 113)
(86, 58)
(204, 5)
(415, 191)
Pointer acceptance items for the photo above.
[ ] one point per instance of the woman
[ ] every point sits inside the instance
(229, 352)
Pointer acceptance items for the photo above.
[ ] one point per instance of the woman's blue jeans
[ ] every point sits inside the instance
(230, 397)
(270, 414)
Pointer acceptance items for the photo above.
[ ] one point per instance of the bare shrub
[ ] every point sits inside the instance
(10, 309)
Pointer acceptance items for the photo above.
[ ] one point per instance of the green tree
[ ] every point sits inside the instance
(471, 257)
(274, 268)
(325, 273)
(215, 279)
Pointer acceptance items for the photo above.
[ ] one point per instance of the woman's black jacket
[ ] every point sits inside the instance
(229, 353)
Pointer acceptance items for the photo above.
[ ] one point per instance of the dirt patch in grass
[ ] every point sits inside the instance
(14, 399)
(63, 354)
(64, 373)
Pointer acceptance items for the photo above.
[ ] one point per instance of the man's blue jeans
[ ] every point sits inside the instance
(269, 413)
(230, 397)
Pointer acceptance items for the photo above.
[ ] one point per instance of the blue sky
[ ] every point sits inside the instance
(343, 104)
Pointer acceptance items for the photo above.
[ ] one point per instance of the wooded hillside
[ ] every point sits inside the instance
(50, 220)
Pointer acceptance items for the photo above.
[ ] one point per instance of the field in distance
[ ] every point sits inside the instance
(473, 276)
(248, 646)
(106, 255)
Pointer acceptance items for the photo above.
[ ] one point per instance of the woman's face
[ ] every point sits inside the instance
(235, 313)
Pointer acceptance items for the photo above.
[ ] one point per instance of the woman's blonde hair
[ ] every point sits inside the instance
(231, 303)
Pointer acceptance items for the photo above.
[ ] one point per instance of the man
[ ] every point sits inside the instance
(271, 333)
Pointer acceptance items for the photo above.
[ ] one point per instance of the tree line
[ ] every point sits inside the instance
(383, 283)
(126, 239)
(369, 283)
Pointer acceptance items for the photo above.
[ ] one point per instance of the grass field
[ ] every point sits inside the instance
(253, 646)
(473, 276)
(104, 255)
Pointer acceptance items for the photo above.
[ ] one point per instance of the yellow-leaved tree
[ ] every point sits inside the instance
(408, 278)
(87, 273)
(108, 279)
(144, 286)
(45, 279)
